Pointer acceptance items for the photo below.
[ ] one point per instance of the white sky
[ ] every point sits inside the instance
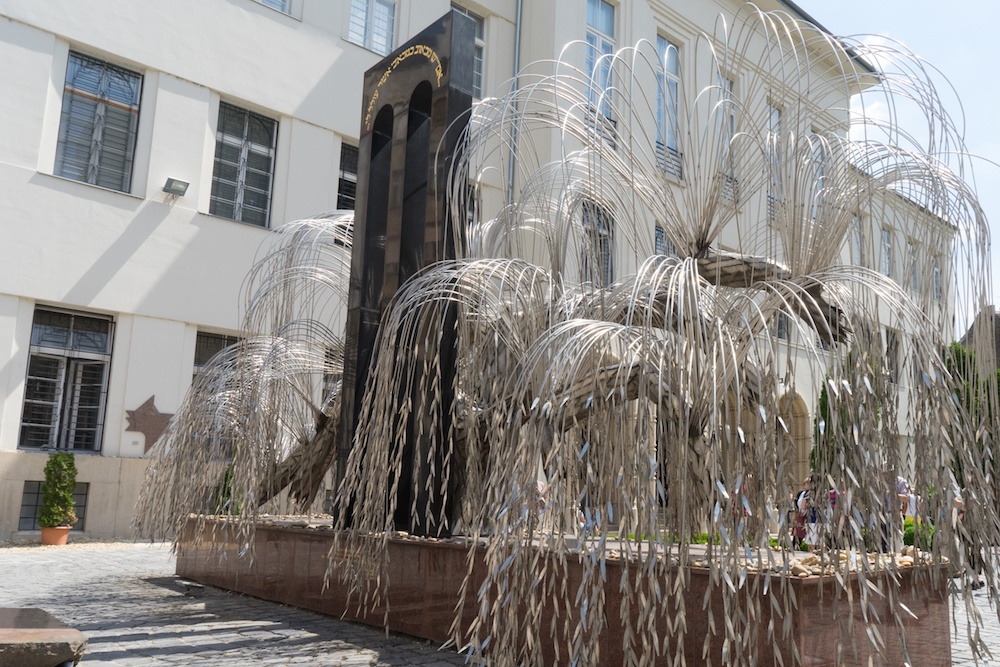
(959, 38)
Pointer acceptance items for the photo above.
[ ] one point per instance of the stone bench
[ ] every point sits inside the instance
(33, 638)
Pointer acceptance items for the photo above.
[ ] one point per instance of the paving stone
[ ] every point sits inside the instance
(128, 602)
(132, 608)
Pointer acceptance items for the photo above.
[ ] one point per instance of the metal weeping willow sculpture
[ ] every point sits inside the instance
(668, 258)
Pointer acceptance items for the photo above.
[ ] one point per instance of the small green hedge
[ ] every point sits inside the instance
(921, 533)
(58, 508)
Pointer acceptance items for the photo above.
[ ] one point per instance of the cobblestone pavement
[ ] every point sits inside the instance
(961, 653)
(126, 599)
(128, 602)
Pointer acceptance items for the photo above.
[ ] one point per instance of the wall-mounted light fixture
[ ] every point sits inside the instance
(176, 187)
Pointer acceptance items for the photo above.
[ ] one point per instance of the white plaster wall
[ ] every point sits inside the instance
(15, 333)
(31, 50)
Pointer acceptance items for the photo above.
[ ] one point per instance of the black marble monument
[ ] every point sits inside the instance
(416, 104)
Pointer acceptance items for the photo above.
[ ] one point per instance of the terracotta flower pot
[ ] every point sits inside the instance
(55, 536)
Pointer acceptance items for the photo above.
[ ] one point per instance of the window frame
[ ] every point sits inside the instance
(347, 179)
(599, 60)
(668, 88)
(361, 27)
(283, 6)
(782, 326)
(726, 120)
(662, 245)
(201, 337)
(775, 194)
(31, 502)
(938, 279)
(54, 402)
(886, 258)
(598, 246)
(818, 162)
(912, 256)
(244, 143)
(99, 152)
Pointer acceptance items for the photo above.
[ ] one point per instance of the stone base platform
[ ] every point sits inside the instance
(291, 561)
(33, 638)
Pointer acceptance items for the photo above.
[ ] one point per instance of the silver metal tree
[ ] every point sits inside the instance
(602, 419)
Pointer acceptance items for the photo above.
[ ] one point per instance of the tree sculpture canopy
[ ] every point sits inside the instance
(620, 376)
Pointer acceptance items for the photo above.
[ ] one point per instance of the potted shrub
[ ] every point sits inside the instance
(57, 513)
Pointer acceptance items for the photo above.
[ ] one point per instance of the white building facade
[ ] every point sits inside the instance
(148, 150)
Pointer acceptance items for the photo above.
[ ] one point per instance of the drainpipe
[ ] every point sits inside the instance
(513, 127)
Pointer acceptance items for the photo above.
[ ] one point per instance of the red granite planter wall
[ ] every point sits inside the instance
(290, 564)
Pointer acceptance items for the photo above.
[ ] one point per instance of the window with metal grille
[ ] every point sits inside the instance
(597, 259)
(347, 186)
(31, 502)
(480, 50)
(67, 381)
(244, 165)
(667, 91)
(661, 246)
(207, 345)
(372, 24)
(97, 128)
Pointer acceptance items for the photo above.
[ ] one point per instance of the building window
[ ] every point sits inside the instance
(781, 326)
(281, 5)
(372, 24)
(817, 159)
(912, 258)
(598, 248)
(347, 186)
(31, 502)
(726, 120)
(858, 255)
(67, 381)
(97, 128)
(207, 345)
(661, 246)
(667, 92)
(600, 50)
(892, 354)
(887, 252)
(478, 58)
(774, 193)
(244, 165)
(938, 290)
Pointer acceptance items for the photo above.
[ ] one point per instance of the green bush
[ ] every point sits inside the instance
(58, 508)
(223, 500)
(922, 533)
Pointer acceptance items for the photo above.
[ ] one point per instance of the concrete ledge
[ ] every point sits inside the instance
(33, 638)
